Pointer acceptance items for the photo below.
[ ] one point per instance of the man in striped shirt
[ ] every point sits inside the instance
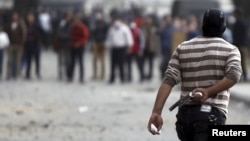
(206, 64)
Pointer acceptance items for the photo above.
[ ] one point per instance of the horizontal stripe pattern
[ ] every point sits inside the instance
(202, 62)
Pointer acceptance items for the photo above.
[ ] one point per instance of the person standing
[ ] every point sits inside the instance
(45, 22)
(166, 34)
(136, 52)
(119, 39)
(16, 30)
(208, 65)
(32, 48)
(4, 43)
(151, 46)
(240, 37)
(63, 45)
(99, 37)
(79, 34)
(192, 28)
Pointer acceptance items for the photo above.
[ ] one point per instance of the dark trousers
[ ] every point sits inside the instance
(63, 62)
(15, 53)
(45, 39)
(139, 61)
(148, 58)
(76, 54)
(117, 60)
(192, 124)
(1, 61)
(32, 53)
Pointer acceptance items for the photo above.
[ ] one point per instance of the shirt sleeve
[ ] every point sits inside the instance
(7, 40)
(128, 37)
(108, 38)
(85, 36)
(173, 73)
(24, 31)
(142, 40)
(233, 67)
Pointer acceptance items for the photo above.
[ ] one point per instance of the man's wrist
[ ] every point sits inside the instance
(157, 112)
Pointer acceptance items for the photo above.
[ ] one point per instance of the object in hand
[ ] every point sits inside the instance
(184, 100)
(154, 129)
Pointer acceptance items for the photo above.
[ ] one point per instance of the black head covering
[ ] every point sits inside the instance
(214, 23)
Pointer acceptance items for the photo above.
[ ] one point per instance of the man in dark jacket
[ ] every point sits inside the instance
(151, 46)
(99, 36)
(32, 48)
(63, 45)
(165, 34)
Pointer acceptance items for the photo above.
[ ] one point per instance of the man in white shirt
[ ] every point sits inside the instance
(46, 28)
(119, 39)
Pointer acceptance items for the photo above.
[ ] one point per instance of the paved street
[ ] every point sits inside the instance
(49, 110)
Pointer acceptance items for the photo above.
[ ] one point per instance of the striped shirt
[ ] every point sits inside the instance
(202, 62)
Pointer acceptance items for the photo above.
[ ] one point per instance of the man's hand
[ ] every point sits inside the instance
(77, 44)
(140, 53)
(129, 50)
(198, 97)
(222, 85)
(155, 119)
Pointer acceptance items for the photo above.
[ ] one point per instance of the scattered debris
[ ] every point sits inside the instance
(46, 125)
(23, 128)
(83, 109)
(19, 112)
(32, 122)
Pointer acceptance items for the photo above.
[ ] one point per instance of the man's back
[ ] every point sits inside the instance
(202, 62)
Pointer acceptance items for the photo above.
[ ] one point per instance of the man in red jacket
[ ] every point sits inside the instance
(136, 51)
(78, 38)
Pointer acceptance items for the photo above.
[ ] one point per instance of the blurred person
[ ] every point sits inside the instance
(4, 17)
(4, 43)
(180, 31)
(79, 35)
(17, 33)
(138, 20)
(179, 23)
(151, 46)
(45, 22)
(32, 47)
(119, 39)
(192, 28)
(63, 45)
(228, 35)
(166, 34)
(99, 37)
(207, 64)
(136, 52)
(240, 37)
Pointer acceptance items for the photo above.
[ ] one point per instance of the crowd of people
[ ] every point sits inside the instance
(130, 38)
